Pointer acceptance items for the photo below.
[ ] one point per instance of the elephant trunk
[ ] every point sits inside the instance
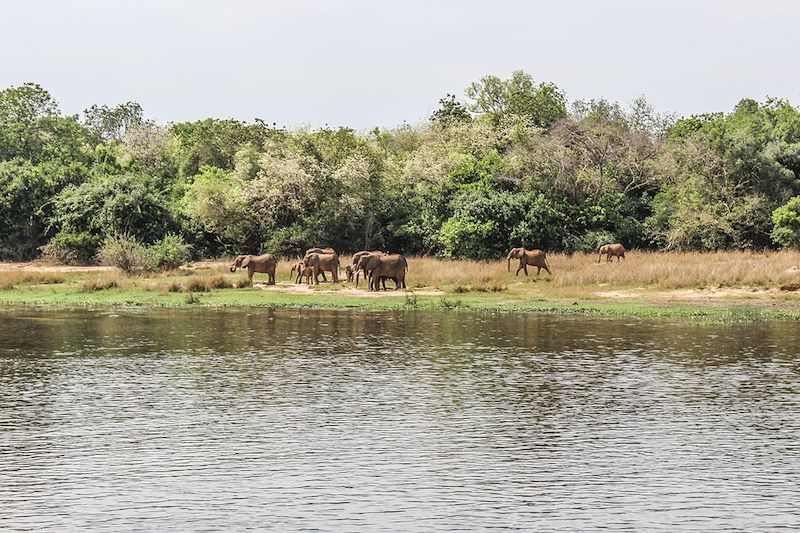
(509, 262)
(232, 268)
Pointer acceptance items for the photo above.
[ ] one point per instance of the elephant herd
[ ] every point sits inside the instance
(378, 266)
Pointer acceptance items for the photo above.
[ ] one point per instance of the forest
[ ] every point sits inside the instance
(512, 163)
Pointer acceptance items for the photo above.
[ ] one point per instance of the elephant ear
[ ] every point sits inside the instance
(246, 261)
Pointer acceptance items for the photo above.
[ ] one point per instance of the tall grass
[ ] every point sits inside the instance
(12, 278)
(640, 269)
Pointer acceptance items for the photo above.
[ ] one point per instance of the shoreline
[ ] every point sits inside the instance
(45, 296)
(576, 289)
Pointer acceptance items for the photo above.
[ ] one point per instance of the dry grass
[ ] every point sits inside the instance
(678, 270)
(572, 275)
(103, 281)
(640, 269)
(12, 278)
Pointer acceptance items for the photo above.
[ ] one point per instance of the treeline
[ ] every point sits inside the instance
(512, 165)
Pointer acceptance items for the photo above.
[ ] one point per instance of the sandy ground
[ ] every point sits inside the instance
(302, 288)
(44, 267)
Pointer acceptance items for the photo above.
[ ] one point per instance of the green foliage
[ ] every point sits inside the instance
(69, 248)
(511, 168)
(170, 252)
(518, 98)
(125, 253)
(786, 224)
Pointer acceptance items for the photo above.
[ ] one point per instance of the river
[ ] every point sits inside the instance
(307, 420)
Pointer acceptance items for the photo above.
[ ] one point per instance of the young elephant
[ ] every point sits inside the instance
(349, 272)
(302, 271)
(611, 250)
(527, 258)
(265, 264)
(321, 263)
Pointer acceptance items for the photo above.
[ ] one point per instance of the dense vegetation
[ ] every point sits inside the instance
(513, 165)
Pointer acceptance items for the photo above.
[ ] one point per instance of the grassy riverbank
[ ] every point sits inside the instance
(721, 286)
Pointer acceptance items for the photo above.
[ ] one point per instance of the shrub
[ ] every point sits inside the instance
(100, 283)
(786, 224)
(69, 248)
(593, 240)
(170, 252)
(125, 253)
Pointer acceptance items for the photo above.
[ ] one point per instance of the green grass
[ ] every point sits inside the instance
(73, 294)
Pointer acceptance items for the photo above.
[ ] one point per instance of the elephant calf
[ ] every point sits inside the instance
(611, 250)
(265, 264)
(302, 271)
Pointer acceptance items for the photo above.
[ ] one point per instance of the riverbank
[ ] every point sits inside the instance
(716, 287)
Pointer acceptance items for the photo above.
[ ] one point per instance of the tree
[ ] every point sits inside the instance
(518, 98)
(112, 122)
(450, 111)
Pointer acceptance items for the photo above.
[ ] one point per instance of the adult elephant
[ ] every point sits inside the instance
(320, 251)
(322, 262)
(264, 264)
(378, 268)
(528, 258)
(611, 250)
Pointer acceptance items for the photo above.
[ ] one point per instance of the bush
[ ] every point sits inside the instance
(69, 248)
(170, 252)
(593, 240)
(786, 224)
(125, 253)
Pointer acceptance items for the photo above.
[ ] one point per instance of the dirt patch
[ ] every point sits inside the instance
(44, 267)
(301, 288)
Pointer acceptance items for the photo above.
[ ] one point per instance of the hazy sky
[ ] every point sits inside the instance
(364, 63)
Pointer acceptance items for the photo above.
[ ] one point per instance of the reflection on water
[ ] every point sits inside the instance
(352, 421)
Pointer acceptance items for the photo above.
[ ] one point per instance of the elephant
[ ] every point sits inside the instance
(349, 272)
(359, 255)
(321, 251)
(302, 271)
(527, 258)
(265, 264)
(378, 267)
(320, 263)
(611, 250)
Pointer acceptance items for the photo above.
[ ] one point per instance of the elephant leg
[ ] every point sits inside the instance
(250, 273)
(525, 267)
(271, 278)
(538, 271)
(517, 272)
(548, 271)
(323, 277)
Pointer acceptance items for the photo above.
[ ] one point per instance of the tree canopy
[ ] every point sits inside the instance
(511, 165)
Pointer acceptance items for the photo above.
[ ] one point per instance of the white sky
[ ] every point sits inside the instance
(365, 63)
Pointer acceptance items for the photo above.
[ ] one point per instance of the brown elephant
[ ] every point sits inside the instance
(264, 264)
(320, 263)
(527, 258)
(378, 267)
(302, 271)
(350, 272)
(321, 251)
(611, 250)
(359, 255)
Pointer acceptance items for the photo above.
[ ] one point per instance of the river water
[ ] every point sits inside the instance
(301, 420)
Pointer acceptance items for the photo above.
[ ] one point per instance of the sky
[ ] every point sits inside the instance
(367, 63)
